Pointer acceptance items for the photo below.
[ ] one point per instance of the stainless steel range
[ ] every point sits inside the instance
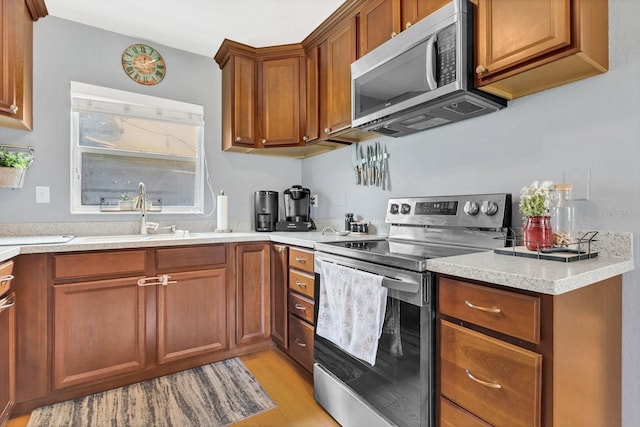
(398, 388)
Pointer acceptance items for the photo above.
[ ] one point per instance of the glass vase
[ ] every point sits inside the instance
(537, 233)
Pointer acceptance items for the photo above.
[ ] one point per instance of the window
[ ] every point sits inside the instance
(120, 139)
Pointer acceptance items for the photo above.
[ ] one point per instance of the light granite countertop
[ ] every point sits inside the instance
(615, 257)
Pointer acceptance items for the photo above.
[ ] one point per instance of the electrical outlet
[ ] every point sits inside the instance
(314, 200)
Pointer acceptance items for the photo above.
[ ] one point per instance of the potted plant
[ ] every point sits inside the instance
(13, 165)
(535, 202)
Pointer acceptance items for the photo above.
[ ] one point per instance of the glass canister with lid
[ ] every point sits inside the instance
(563, 216)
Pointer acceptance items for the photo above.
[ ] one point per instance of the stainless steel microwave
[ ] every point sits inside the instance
(421, 78)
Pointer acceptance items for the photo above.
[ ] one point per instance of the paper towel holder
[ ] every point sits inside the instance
(222, 217)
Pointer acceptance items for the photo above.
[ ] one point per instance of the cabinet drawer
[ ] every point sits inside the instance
(301, 259)
(507, 312)
(301, 341)
(84, 265)
(301, 306)
(301, 282)
(6, 276)
(451, 415)
(191, 258)
(497, 381)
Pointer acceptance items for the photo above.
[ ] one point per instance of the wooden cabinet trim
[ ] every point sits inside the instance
(190, 258)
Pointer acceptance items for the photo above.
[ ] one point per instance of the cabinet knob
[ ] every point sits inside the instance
(327, 130)
(480, 69)
(282, 249)
(305, 138)
(264, 142)
(393, 34)
(238, 139)
(407, 25)
(13, 109)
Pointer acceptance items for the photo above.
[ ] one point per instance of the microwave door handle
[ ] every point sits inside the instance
(431, 63)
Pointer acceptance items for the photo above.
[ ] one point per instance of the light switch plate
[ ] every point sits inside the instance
(42, 194)
(581, 180)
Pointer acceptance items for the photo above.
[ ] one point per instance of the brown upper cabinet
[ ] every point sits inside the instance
(338, 52)
(526, 47)
(381, 20)
(16, 68)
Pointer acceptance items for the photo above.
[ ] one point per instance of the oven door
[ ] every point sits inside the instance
(399, 388)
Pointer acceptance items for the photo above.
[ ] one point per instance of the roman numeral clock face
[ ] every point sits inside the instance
(143, 64)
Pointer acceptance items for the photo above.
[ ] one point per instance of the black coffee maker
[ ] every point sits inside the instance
(297, 210)
(266, 210)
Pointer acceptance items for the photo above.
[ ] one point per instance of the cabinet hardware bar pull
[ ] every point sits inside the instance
(300, 307)
(302, 260)
(484, 383)
(301, 284)
(300, 343)
(487, 309)
(8, 302)
(5, 279)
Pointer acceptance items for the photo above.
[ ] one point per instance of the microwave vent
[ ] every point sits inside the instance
(464, 107)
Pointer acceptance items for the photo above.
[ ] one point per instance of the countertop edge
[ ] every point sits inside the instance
(542, 276)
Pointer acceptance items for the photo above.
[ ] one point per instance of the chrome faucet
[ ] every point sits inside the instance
(142, 205)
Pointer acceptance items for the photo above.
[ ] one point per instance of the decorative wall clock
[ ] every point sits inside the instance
(143, 64)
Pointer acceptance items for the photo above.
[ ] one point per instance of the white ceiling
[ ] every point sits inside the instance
(199, 26)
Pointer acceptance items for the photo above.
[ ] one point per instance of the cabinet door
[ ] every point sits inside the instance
(192, 315)
(8, 52)
(340, 53)
(7, 356)
(16, 69)
(379, 22)
(252, 293)
(279, 286)
(312, 100)
(414, 10)
(98, 330)
(511, 32)
(239, 78)
(280, 102)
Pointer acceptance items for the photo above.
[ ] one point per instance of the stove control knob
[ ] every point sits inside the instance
(406, 209)
(394, 209)
(489, 208)
(471, 208)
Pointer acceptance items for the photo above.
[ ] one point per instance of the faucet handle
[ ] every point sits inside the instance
(152, 225)
(171, 228)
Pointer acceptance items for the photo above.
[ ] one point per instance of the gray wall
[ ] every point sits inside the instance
(66, 51)
(591, 125)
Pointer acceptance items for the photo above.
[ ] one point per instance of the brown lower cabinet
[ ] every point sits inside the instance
(508, 357)
(293, 302)
(7, 342)
(104, 319)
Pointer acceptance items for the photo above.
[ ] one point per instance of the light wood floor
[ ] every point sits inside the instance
(291, 391)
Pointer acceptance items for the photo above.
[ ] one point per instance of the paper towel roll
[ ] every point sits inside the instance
(222, 212)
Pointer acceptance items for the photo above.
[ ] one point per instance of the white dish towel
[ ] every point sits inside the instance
(351, 310)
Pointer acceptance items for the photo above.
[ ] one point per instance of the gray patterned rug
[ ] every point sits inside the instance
(212, 395)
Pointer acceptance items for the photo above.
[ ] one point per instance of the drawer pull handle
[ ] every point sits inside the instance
(487, 309)
(302, 260)
(301, 284)
(8, 302)
(300, 343)
(5, 279)
(484, 383)
(300, 307)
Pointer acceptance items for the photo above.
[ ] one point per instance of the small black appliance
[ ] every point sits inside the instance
(266, 210)
(297, 210)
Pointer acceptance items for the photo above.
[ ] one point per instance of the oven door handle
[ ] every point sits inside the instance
(400, 285)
